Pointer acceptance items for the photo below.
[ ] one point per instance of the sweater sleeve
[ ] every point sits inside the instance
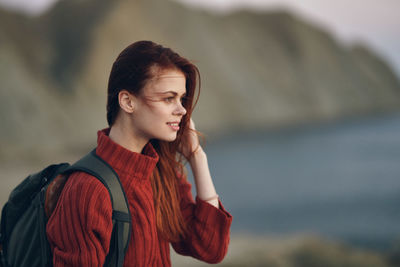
(79, 230)
(208, 228)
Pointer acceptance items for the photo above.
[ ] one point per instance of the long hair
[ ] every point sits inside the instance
(131, 71)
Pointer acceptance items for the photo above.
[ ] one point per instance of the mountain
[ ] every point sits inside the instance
(259, 70)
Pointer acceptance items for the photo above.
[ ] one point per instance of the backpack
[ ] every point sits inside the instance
(23, 240)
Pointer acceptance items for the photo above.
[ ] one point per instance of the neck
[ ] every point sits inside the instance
(124, 136)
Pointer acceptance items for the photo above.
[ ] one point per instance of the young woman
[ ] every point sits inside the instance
(151, 94)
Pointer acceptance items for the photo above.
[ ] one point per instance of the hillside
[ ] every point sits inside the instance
(259, 70)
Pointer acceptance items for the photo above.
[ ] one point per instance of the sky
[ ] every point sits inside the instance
(375, 23)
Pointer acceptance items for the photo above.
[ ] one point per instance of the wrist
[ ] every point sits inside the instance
(197, 155)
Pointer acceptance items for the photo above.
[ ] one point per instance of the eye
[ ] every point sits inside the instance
(169, 99)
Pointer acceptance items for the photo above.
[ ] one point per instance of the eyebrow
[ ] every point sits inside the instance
(171, 92)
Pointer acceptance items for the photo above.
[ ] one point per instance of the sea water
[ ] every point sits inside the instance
(339, 180)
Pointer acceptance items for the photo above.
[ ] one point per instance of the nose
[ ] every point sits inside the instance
(180, 109)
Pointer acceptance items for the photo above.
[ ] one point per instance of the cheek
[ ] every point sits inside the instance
(160, 112)
(153, 119)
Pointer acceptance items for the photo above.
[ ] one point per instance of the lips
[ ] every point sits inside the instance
(174, 125)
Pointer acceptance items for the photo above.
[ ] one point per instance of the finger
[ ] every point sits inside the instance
(191, 124)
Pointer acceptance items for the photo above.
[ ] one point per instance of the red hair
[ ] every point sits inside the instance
(130, 71)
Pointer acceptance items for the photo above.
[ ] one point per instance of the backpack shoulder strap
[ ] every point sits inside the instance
(97, 167)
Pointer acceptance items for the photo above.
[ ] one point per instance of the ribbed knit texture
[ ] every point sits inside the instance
(79, 230)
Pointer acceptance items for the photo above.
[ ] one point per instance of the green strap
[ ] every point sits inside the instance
(96, 166)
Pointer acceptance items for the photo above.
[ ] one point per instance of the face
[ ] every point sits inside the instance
(158, 109)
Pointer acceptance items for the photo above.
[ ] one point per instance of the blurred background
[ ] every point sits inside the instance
(299, 105)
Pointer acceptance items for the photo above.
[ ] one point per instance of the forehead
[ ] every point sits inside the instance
(167, 80)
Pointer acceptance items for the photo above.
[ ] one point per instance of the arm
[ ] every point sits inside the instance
(79, 230)
(197, 158)
(208, 237)
(204, 185)
(208, 222)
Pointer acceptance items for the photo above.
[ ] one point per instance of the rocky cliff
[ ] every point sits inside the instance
(259, 70)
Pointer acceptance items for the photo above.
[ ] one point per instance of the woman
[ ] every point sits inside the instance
(151, 94)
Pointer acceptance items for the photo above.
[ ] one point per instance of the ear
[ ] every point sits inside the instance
(126, 101)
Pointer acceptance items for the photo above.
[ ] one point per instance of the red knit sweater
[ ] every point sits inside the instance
(79, 230)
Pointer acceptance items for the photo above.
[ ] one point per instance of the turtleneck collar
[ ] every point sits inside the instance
(139, 165)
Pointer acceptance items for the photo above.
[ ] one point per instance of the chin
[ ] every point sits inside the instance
(167, 138)
(171, 139)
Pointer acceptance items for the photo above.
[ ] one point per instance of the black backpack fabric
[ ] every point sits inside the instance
(23, 238)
